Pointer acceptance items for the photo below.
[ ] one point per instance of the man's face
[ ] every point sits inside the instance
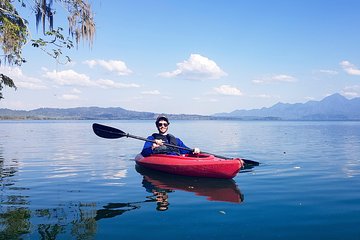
(162, 126)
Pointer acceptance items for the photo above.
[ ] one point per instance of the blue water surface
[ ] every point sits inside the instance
(60, 181)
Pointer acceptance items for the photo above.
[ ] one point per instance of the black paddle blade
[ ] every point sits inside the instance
(107, 132)
(250, 162)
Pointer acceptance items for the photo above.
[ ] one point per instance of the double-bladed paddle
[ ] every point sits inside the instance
(113, 133)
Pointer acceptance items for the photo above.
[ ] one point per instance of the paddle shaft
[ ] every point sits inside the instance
(111, 133)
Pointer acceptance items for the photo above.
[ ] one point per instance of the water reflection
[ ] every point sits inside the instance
(14, 221)
(161, 184)
(18, 220)
(74, 220)
(115, 209)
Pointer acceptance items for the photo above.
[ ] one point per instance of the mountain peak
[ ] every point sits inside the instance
(335, 98)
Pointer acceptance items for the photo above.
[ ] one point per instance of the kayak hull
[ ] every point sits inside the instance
(195, 165)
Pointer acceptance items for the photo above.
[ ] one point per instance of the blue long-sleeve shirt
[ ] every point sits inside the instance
(147, 150)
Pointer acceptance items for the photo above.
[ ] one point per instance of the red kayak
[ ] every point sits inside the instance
(195, 165)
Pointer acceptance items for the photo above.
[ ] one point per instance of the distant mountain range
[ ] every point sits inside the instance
(87, 113)
(334, 107)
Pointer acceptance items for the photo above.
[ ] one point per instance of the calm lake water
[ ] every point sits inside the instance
(60, 181)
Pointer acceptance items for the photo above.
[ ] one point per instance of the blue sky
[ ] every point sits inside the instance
(199, 57)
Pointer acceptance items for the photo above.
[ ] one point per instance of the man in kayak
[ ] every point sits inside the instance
(162, 124)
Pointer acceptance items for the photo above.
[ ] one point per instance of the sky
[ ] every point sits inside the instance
(197, 57)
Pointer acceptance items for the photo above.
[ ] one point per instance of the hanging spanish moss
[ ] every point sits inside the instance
(81, 21)
(42, 12)
(80, 18)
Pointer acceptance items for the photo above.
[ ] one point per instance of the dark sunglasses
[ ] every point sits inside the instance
(162, 124)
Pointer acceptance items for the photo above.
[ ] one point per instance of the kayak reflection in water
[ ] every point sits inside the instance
(162, 124)
(161, 184)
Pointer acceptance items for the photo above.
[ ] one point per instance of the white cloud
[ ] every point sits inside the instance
(205, 100)
(111, 65)
(21, 80)
(154, 92)
(72, 78)
(30, 85)
(69, 97)
(275, 79)
(69, 77)
(75, 91)
(166, 97)
(106, 83)
(309, 98)
(264, 96)
(351, 91)
(228, 90)
(90, 63)
(328, 72)
(13, 72)
(196, 67)
(350, 68)
(283, 78)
